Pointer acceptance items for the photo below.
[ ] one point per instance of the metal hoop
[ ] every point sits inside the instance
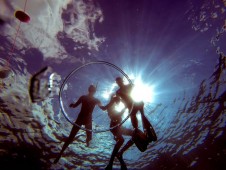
(74, 71)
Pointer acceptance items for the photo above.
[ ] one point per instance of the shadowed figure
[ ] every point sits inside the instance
(138, 137)
(124, 92)
(116, 129)
(84, 118)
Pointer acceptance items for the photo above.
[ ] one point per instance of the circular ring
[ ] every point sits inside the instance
(74, 71)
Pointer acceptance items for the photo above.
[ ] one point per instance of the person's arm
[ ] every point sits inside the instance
(108, 105)
(100, 105)
(77, 103)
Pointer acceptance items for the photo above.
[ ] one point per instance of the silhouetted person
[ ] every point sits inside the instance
(124, 92)
(116, 129)
(138, 137)
(84, 118)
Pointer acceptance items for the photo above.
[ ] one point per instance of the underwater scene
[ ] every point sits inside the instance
(112, 84)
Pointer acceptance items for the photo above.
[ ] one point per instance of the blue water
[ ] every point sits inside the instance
(177, 47)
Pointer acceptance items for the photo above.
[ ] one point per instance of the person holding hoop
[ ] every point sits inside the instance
(116, 129)
(84, 118)
(139, 138)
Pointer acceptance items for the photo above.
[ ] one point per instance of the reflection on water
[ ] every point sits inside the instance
(190, 128)
(195, 134)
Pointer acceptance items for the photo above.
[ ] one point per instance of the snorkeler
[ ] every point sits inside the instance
(84, 118)
(116, 129)
(140, 139)
(124, 92)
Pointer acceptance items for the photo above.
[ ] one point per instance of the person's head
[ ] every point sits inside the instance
(119, 81)
(92, 89)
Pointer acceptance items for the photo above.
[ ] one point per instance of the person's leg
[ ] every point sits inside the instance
(120, 141)
(126, 147)
(120, 153)
(126, 131)
(145, 121)
(88, 133)
(133, 117)
(74, 131)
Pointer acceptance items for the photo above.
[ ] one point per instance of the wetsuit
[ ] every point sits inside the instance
(124, 93)
(85, 115)
(116, 118)
(84, 118)
(116, 129)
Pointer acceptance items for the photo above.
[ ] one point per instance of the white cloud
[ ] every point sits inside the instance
(46, 22)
